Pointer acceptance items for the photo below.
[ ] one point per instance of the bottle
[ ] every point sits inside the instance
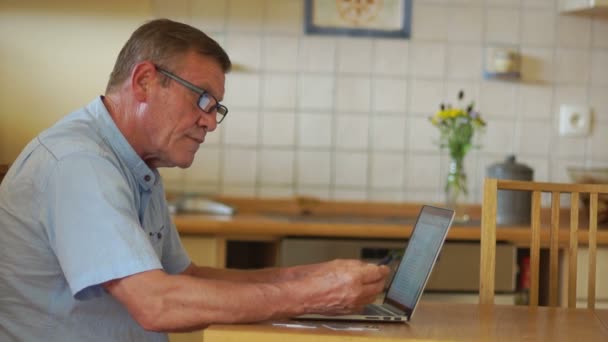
(522, 297)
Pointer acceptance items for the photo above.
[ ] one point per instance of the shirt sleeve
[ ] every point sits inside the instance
(171, 251)
(93, 225)
(175, 259)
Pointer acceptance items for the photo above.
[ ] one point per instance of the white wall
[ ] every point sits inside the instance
(330, 116)
(345, 117)
(55, 56)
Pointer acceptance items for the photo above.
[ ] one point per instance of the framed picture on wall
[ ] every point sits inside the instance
(366, 18)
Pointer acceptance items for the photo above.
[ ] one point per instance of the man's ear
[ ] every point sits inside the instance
(142, 79)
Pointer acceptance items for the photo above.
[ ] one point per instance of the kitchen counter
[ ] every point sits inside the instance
(272, 220)
(279, 218)
(265, 226)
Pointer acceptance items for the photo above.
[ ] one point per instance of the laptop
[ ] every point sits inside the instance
(413, 272)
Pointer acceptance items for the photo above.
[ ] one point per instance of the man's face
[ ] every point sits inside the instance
(176, 125)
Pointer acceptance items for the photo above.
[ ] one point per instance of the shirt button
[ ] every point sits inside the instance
(147, 178)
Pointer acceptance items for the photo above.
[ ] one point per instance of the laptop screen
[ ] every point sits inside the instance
(419, 258)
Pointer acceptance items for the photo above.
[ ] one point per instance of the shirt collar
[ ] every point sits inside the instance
(145, 176)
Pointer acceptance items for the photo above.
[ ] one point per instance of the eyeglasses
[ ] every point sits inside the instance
(206, 102)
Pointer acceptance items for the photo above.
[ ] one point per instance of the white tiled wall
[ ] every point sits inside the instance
(346, 118)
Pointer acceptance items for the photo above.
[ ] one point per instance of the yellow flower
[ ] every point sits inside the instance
(442, 115)
(457, 126)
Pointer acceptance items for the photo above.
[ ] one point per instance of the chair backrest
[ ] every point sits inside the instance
(488, 237)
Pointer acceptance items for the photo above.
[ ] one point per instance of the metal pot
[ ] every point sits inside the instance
(513, 207)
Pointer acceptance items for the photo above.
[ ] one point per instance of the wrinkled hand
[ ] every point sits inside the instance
(343, 286)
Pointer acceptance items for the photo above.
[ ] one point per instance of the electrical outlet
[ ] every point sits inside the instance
(574, 121)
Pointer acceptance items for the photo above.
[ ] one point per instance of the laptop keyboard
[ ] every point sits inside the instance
(376, 310)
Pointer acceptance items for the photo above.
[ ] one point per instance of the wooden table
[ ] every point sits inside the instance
(443, 322)
(602, 314)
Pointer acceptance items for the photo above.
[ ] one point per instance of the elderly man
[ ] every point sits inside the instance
(88, 251)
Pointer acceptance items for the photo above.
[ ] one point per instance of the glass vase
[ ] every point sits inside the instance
(456, 191)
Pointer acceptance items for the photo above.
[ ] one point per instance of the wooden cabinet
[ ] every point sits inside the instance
(205, 250)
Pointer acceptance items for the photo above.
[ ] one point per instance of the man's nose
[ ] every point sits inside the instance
(208, 121)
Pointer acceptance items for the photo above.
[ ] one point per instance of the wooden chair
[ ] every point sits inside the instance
(488, 237)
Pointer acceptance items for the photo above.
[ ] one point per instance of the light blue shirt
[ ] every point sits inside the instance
(78, 208)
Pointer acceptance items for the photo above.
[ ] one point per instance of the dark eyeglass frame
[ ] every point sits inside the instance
(220, 110)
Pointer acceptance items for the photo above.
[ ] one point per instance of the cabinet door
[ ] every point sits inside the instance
(205, 250)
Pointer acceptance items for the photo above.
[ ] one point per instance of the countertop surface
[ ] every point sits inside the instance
(279, 218)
